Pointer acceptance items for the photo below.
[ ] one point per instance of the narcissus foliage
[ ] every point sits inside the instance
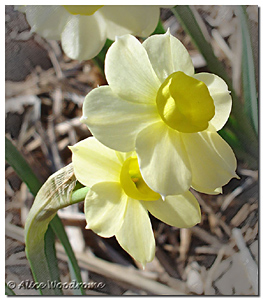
(157, 105)
(83, 29)
(118, 201)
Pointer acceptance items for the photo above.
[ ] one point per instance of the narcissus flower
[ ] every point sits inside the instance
(157, 105)
(83, 29)
(118, 201)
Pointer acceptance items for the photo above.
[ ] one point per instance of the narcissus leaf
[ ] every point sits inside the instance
(53, 195)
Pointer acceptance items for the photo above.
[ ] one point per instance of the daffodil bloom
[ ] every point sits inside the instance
(118, 201)
(157, 105)
(83, 29)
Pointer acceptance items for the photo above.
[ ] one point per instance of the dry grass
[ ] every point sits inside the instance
(43, 107)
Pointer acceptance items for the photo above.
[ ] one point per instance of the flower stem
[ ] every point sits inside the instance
(79, 194)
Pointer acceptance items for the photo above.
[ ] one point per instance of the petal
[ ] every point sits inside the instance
(213, 162)
(84, 36)
(182, 211)
(114, 121)
(105, 204)
(216, 191)
(138, 20)
(47, 20)
(129, 72)
(122, 156)
(222, 100)
(163, 160)
(168, 55)
(136, 235)
(94, 162)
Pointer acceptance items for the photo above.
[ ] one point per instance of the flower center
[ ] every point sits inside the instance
(85, 10)
(132, 182)
(184, 103)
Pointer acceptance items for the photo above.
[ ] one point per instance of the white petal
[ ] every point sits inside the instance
(168, 55)
(84, 36)
(138, 20)
(136, 235)
(213, 162)
(122, 156)
(47, 20)
(105, 204)
(222, 100)
(163, 160)
(94, 162)
(113, 121)
(129, 72)
(182, 211)
(210, 191)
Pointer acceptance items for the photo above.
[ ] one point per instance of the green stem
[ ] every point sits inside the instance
(79, 195)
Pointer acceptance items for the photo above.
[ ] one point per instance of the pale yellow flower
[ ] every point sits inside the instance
(118, 201)
(83, 29)
(156, 104)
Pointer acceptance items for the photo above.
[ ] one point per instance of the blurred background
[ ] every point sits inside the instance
(45, 91)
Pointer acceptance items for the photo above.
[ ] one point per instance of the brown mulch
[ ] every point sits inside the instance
(44, 92)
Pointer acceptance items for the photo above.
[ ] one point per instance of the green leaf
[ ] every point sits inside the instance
(15, 159)
(8, 291)
(248, 69)
(53, 195)
(57, 226)
(159, 28)
(21, 167)
(186, 17)
(50, 253)
(241, 127)
(100, 58)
